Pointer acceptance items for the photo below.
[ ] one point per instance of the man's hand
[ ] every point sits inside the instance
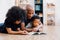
(34, 30)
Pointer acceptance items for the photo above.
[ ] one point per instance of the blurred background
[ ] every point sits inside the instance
(40, 8)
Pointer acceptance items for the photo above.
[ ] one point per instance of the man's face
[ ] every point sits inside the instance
(30, 13)
(17, 22)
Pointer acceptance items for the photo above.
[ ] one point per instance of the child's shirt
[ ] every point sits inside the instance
(9, 24)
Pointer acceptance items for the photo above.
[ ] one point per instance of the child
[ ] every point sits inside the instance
(13, 21)
(35, 25)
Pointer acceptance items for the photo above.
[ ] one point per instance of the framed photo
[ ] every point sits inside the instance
(21, 3)
(37, 7)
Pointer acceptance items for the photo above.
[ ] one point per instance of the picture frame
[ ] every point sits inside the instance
(21, 3)
(37, 7)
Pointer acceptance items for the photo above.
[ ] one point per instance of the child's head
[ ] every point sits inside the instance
(36, 21)
(17, 22)
(15, 14)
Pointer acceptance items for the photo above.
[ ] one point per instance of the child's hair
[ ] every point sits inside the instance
(35, 17)
(15, 13)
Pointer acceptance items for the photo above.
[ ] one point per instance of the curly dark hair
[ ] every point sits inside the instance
(16, 13)
(35, 17)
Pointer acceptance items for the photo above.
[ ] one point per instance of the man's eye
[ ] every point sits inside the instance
(32, 13)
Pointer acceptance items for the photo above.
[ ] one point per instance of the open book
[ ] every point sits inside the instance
(36, 33)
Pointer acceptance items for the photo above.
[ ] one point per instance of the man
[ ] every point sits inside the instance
(29, 16)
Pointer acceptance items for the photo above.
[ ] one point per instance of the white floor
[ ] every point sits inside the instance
(52, 33)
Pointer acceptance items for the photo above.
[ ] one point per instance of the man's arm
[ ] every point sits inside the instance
(23, 26)
(27, 29)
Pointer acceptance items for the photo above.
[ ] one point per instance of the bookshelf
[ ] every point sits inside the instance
(50, 20)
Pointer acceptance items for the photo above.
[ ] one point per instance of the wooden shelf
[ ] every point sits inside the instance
(50, 14)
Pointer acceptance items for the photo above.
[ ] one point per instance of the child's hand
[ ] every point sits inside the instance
(23, 32)
(41, 30)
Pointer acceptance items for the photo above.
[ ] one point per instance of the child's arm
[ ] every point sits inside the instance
(28, 27)
(10, 31)
(38, 28)
(41, 28)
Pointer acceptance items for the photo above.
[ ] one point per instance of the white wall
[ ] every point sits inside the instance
(4, 6)
(57, 12)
